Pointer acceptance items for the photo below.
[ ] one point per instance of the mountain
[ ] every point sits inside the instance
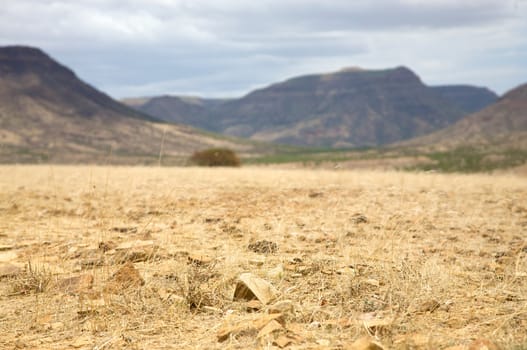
(470, 99)
(351, 107)
(192, 111)
(502, 124)
(48, 113)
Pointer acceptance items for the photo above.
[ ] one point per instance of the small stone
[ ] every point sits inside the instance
(483, 344)
(126, 277)
(250, 287)
(4, 247)
(75, 285)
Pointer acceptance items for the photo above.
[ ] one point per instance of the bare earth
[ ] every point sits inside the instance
(415, 261)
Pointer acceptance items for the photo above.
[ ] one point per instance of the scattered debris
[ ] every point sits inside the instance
(250, 287)
(263, 247)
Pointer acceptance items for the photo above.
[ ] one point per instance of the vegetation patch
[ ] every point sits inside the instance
(472, 160)
(215, 157)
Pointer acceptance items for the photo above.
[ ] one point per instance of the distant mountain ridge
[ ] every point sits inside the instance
(47, 113)
(347, 108)
(502, 124)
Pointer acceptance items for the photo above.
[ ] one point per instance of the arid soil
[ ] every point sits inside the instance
(150, 258)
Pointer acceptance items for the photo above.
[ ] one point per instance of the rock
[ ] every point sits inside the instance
(365, 343)
(75, 285)
(483, 344)
(126, 277)
(9, 270)
(263, 247)
(250, 287)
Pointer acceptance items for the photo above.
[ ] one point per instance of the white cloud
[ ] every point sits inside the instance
(228, 46)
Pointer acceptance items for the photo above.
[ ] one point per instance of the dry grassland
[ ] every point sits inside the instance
(417, 261)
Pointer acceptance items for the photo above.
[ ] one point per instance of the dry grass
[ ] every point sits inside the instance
(421, 261)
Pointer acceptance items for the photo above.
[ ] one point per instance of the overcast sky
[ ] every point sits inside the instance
(225, 48)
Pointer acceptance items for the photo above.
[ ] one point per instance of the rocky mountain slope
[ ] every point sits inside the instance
(502, 124)
(47, 113)
(351, 107)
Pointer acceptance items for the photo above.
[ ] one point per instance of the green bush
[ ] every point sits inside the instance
(215, 157)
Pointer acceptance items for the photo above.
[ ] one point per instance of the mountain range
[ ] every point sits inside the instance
(500, 125)
(48, 113)
(348, 108)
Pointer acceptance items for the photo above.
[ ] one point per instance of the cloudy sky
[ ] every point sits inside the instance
(216, 48)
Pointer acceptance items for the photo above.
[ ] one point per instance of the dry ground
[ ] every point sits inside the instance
(419, 261)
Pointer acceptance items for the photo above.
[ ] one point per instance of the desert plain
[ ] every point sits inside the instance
(95, 257)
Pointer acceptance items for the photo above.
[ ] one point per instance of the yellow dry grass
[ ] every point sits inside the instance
(419, 261)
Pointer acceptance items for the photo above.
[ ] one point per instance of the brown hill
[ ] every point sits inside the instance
(502, 124)
(351, 107)
(47, 113)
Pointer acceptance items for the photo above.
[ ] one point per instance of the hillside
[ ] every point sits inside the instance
(470, 99)
(502, 124)
(48, 114)
(351, 107)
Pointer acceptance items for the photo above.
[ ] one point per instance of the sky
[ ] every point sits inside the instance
(226, 48)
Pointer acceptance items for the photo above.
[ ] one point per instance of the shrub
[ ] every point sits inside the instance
(215, 157)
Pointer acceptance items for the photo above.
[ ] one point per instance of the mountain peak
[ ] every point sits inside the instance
(21, 52)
